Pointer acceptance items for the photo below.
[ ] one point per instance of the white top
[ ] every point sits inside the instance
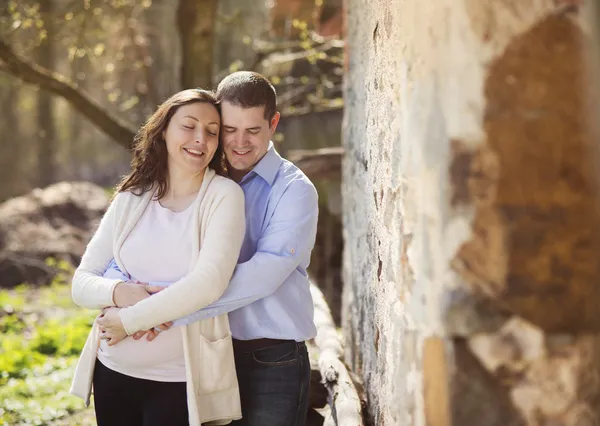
(157, 249)
(218, 232)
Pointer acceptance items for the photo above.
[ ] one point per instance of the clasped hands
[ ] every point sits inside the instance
(127, 294)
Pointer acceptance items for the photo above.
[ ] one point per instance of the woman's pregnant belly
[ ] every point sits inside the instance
(160, 360)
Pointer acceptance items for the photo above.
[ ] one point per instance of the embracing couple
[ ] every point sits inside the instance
(199, 268)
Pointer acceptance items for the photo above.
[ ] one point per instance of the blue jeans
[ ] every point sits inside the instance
(274, 383)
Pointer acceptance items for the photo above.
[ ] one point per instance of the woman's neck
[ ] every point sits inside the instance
(181, 186)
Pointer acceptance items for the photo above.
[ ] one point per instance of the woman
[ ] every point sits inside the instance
(174, 219)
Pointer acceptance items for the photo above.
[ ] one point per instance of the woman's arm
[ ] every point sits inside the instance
(210, 276)
(90, 289)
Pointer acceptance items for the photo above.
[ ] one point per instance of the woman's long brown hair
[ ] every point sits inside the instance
(149, 161)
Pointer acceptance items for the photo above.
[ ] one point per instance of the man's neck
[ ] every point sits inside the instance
(237, 175)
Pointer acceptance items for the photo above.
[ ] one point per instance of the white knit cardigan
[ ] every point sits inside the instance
(212, 386)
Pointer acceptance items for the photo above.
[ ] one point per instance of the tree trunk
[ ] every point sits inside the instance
(235, 21)
(9, 148)
(196, 21)
(76, 144)
(45, 105)
(284, 12)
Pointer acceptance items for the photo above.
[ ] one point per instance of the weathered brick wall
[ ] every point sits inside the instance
(471, 213)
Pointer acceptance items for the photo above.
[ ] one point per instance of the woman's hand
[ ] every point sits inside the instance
(129, 293)
(111, 327)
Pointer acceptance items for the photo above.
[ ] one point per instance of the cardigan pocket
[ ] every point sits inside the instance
(217, 368)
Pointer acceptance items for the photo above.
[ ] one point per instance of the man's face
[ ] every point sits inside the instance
(245, 135)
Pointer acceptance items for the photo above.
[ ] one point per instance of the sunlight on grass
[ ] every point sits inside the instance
(13, 300)
(41, 334)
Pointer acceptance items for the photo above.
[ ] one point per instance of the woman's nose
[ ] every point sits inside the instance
(199, 138)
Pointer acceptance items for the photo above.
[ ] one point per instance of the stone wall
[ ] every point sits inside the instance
(471, 213)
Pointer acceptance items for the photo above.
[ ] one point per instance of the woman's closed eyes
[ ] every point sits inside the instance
(208, 131)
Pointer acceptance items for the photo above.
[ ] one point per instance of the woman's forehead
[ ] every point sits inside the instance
(198, 110)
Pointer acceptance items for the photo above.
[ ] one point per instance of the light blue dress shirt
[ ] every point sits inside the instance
(269, 295)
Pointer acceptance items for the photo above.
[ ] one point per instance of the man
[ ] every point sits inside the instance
(268, 299)
(271, 309)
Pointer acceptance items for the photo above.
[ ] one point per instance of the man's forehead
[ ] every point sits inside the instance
(243, 120)
(234, 109)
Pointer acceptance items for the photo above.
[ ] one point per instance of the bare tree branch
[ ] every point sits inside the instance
(59, 85)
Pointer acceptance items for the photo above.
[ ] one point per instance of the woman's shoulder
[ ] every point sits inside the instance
(123, 197)
(126, 198)
(224, 186)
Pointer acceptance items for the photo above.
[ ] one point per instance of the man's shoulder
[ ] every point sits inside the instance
(292, 184)
(291, 175)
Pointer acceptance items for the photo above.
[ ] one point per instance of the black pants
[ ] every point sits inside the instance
(122, 400)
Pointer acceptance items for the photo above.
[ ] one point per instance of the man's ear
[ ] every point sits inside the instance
(274, 122)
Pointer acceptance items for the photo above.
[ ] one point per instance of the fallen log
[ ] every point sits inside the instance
(323, 163)
(344, 402)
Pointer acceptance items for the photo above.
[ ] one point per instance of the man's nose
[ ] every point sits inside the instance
(240, 139)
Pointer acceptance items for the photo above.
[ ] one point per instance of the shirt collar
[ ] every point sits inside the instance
(268, 166)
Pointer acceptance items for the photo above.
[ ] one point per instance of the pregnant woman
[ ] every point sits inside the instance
(174, 219)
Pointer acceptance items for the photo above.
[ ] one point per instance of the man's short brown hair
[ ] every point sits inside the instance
(248, 89)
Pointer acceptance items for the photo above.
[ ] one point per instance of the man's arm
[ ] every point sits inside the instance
(287, 241)
(113, 271)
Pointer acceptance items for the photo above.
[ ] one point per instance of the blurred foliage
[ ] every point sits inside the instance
(109, 37)
(126, 55)
(41, 334)
(42, 397)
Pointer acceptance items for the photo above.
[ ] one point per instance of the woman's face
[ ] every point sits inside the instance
(192, 137)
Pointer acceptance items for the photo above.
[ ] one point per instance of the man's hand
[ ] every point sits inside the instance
(151, 334)
(111, 327)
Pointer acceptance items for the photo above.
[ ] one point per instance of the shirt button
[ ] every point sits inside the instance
(292, 251)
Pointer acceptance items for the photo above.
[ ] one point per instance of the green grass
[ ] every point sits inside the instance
(13, 300)
(41, 335)
(40, 397)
